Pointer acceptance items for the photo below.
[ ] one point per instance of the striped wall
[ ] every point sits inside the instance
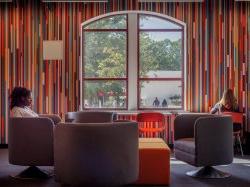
(218, 49)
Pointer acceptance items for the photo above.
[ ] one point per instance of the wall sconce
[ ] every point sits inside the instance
(52, 50)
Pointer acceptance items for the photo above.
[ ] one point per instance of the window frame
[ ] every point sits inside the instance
(84, 78)
(135, 82)
(140, 79)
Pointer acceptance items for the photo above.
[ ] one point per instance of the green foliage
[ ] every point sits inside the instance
(105, 56)
(159, 55)
(176, 100)
(114, 22)
(105, 91)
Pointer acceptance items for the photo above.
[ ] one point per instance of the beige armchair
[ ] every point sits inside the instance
(96, 154)
(30, 143)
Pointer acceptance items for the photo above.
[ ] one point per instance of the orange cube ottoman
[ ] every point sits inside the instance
(154, 162)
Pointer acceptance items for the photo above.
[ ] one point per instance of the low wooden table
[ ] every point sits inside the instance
(154, 162)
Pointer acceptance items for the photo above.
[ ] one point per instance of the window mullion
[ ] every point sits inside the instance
(132, 61)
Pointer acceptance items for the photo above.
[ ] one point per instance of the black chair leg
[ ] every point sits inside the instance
(33, 172)
(239, 141)
(238, 145)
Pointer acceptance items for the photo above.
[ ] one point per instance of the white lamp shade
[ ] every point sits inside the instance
(52, 50)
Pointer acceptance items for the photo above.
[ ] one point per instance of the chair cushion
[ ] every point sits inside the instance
(185, 157)
(186, 145)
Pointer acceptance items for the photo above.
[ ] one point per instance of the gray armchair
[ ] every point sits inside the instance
(204, 141)
(90, 117)
(30, 143)
(96, 154)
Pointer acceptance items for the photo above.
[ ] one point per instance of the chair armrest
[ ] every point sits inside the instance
(214, 140)
(54, 117)
(184, 125)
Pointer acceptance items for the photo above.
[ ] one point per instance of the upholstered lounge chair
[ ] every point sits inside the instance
(30, 143)
(204, 141)
(90, 117)
(96, 154)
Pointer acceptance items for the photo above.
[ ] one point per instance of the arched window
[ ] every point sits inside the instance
(132, 60)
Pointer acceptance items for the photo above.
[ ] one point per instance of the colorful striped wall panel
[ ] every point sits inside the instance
(218, 49)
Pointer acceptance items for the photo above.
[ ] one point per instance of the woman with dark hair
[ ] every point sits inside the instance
(20, 103)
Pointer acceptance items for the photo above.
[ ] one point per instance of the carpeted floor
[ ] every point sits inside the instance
(240, 171)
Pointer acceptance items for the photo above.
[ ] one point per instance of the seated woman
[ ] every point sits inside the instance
(228, 103)
(21, 102)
